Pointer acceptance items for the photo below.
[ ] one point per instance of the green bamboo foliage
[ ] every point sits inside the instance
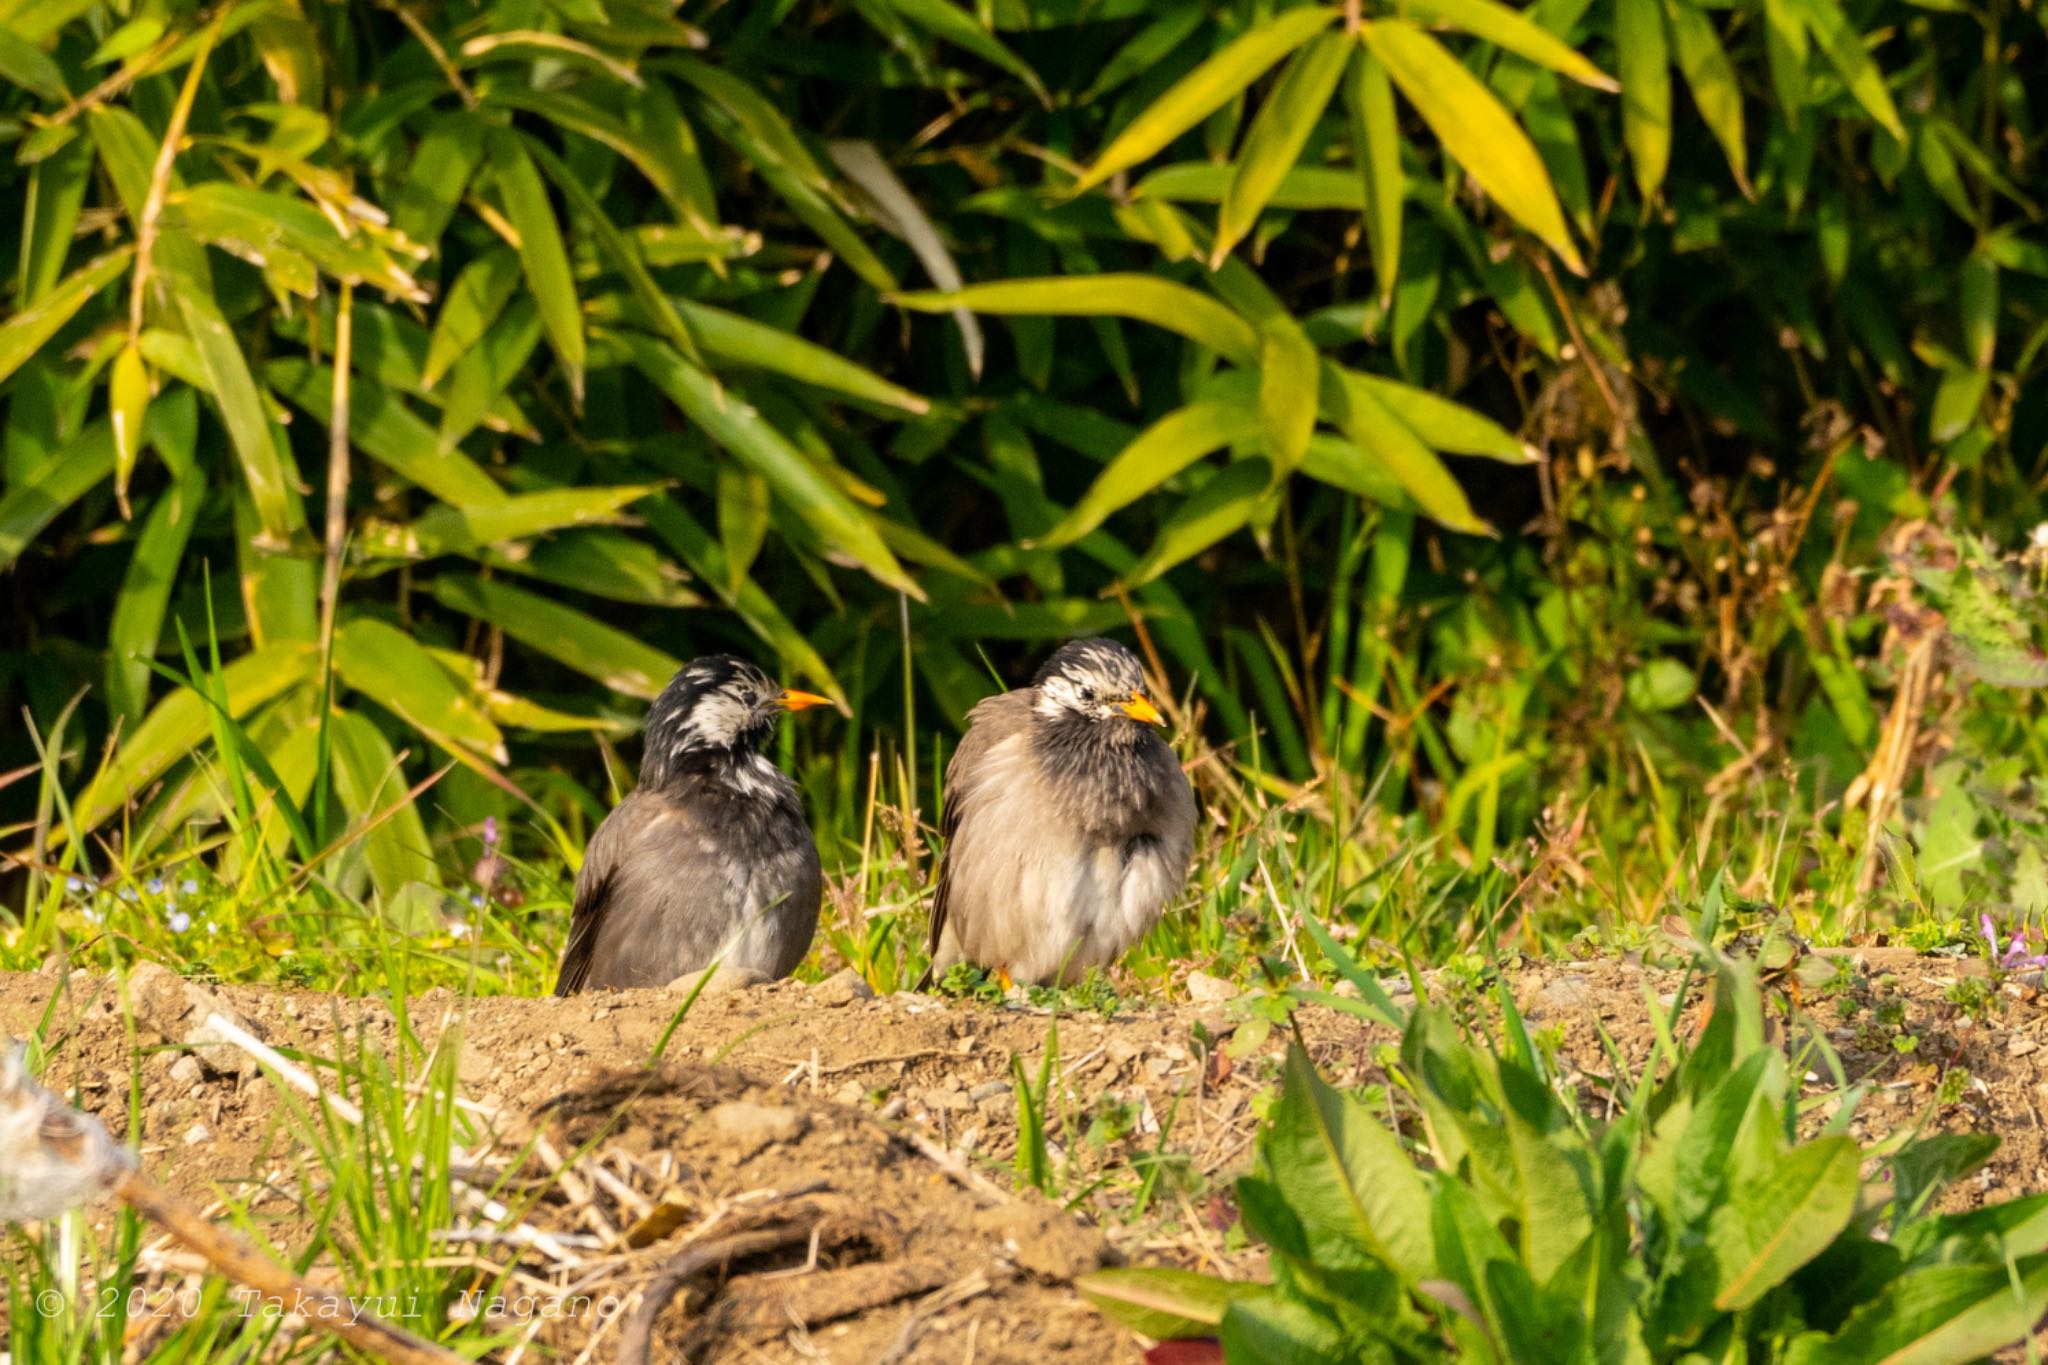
(563, 333)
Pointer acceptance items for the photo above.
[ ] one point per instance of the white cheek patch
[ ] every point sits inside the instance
(713, 723)
(1058, 695)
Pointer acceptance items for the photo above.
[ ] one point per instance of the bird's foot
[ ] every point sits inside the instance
(1003, 979)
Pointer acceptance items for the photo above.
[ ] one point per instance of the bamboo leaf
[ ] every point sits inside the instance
(127, 405)
(1514, 31)
(1206, 89)
(371, 784)
(241, 407)
(735, 424)
(1218, 508)
(1278, 134)
(1288, 381)
(24, 64)
(459, 530)
(564, 634)
(1843, 44)
(1476, 131)
(900, 214)
(180, 723)
(1156, 455)
(381, 426)
(394, 670)
(1145, 298)
(1376, 143)
(1380, 435)
(540, 251)
(740, 340)
(1644, 59)
(1785, 49)
(472, 304)
(1712, 81)
(29, 505)
(25, 333)
(1445, 425)
(138, 610)
(940, 19)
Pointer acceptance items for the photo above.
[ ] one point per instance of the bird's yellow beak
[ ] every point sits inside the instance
(793, 700)
(1138, 708)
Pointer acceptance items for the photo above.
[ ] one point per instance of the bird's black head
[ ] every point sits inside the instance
(1094, 680)
(717, 706)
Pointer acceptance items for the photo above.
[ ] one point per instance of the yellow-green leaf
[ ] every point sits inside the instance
(540, 251)
(1376, 144)
(1445, 425)
(1785, 48)
(1643, 57)
(391, 668)
(241, 407)
(1514, 31)
(471, 305)
(458, 530)
(1206, 89)
(24, 334)
(1158, 453)
(1385, 438)
(1476, 131)
(127, 402)
(1846, 53)
(1278, 134)
(1287, 392)
(1216, 509)
(1712, 81)
(566, 635)
(370, 784)
(1145, 298)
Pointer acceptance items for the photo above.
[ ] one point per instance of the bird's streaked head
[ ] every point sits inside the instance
(717, 705)
(1095, 680)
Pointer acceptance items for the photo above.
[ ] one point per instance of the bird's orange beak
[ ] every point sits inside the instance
(1138, 708)
(793, 700)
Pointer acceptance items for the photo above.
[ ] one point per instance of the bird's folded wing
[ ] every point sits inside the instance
(615, 836)
(990, 725)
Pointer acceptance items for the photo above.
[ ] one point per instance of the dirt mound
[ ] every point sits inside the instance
(810, 1172)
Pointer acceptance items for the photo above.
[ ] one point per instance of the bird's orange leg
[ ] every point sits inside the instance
(1003, 976)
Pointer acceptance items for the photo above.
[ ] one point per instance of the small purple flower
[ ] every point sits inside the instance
(189, 887)
(75, 885)
(490, 833)
(180, 921)
(476, 898)
(156, 886)
(2018, 951)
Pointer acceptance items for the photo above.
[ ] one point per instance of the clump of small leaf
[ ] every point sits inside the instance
(1694, 1226)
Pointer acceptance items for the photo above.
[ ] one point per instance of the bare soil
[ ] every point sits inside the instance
(826, 1176)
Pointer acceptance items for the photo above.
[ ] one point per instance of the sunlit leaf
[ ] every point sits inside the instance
(23, 334)
(1643, 58)
(1146, 298)
(1158, 453)
(1279, 132)
(1376, 143)
(540, 251)
(391, 668)
(562, 633)
(471, 305)
(1712, 80)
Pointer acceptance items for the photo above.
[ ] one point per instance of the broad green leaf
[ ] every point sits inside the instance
(459, 530)
(735, 424)
(1938, 1315)
(1843, 44)
(1643, 58)
(1162, 1302)
(127, 406)
(24, 334)
(1445, 425)
(1377, 432)
(613, 564)
(1376, 146)
(1272, 1328)
(483, 372)
(1145, 298)
(1358, 1195)
(370, 783)
(391, 668)
(1206, 89)
(540, 251)
(1712, 80)
(56, 197)
(1977, 300)
(471, 305)
(1770, 1227)
(1278, 134)
(1158, 453)
(127, 154)
(564, 634)
(179, 724)
(1514, 31)
(241, 408)
(1147, 48)
(138, 610)
(384, 428)
(30, 505)
(1476, 131)
(1288, 381)
(940, 19)
(1218, 508)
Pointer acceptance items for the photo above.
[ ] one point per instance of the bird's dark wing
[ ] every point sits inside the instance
(615, 834)
(990, 723)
